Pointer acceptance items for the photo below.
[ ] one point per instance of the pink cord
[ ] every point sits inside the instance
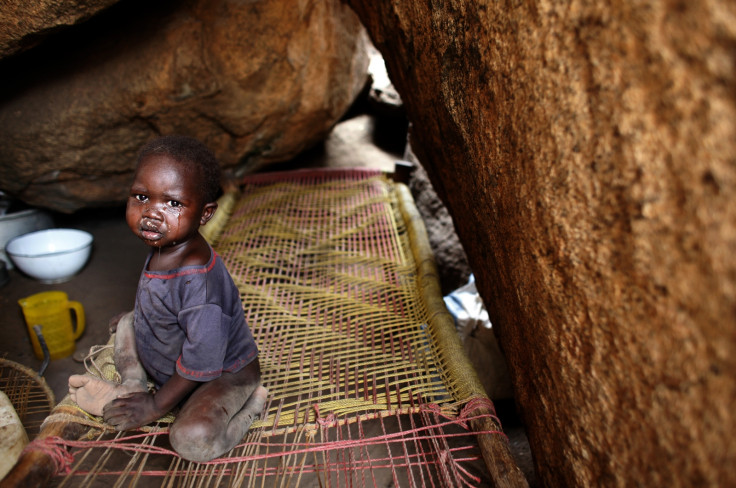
(54, 447)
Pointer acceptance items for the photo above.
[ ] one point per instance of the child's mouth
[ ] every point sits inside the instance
(150, 232)
(150, 235)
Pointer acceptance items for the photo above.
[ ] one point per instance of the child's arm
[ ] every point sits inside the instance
(139, 409)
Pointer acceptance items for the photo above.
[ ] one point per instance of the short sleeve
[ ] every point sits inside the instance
(206, 342)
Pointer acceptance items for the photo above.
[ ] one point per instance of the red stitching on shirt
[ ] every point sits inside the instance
(185, 272)
(197, 374)
(240, 362)
(207, 374)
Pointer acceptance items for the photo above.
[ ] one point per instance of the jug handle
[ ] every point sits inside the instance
(79, 312)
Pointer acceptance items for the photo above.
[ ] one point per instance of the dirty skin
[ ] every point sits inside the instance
(166, 206)
(91, 393)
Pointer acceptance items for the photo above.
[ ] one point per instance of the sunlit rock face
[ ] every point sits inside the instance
(258, 82)
(587, 153)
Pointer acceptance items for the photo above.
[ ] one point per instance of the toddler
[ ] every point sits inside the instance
(187, 332)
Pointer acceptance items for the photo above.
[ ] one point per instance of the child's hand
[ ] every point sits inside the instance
(129, 412)
(138, 409)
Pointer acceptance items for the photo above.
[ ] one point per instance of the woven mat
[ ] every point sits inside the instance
(345, 307)
(329, 280)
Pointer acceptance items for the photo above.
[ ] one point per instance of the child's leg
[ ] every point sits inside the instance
(131, 370)
(217, 415)
(92, 393)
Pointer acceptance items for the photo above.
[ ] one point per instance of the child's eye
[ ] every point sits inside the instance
(174, 203)
(140, 198)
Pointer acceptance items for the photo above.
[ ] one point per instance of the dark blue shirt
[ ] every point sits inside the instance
(191, 320)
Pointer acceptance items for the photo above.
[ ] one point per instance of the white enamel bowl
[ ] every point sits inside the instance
(51, 256)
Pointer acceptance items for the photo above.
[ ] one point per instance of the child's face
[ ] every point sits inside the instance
(165, 207)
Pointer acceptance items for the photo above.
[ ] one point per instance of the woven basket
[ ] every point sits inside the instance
(28, 392)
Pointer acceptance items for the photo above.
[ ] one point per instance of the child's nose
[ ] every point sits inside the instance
(152, 211)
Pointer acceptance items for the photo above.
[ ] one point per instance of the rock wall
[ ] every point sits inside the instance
(258, 82)
(587, 152)
(23, 24)
(452, 263)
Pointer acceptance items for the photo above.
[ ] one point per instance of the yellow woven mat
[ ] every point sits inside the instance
(341, 299)
(340, 291)
(337, 301)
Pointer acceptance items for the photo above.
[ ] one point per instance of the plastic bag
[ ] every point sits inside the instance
(479, 341)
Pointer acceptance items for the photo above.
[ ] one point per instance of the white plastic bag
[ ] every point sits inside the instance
(475, 330)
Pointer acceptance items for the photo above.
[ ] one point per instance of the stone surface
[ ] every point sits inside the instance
(258, 82)
(452, 262)
(587, 151)
(23, 24)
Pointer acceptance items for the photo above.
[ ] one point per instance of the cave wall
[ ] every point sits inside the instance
(24, 24)
(587, 152)
(258, 82)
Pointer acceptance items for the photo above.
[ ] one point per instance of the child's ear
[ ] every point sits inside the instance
(208, 212)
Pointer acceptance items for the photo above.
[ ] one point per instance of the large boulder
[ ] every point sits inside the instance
(587, 153)
(23, 24)
(258, 82)
(452, 263)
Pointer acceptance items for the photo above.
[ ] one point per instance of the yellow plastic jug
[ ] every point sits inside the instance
(52, 311)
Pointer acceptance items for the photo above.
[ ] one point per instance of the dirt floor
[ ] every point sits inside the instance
(106, 286)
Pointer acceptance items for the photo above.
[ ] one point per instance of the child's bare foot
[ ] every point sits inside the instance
(92, 394)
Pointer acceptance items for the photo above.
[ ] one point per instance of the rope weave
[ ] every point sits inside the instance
(28, 392)
(361, 392)
(55, 448)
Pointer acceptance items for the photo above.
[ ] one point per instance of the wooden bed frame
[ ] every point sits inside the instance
(278, 240)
